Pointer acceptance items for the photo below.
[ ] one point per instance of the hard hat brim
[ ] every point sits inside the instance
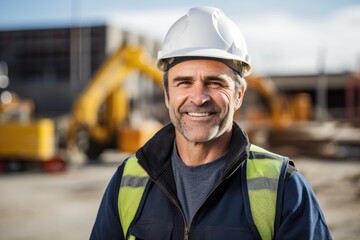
(210, 53)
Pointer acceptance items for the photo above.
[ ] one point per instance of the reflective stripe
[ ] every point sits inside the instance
(133, 181)
(256, 155)
(262, 183)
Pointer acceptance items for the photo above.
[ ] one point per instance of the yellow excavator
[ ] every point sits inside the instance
(25, 141)
(100, 117)
(280, 111)
(99, 120)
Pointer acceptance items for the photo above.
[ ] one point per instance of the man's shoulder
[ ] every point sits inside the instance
(285, 165)
(257, 152)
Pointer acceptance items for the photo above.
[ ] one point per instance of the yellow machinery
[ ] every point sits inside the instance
(33, 140)
(25, 141)
(101, 113)
(99, 119)
(268, 115)
(283, 111)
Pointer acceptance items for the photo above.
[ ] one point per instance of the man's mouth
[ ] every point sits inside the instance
(195, 114)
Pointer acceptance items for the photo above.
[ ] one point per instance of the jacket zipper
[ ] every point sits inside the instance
(187, 228)
(168, 195)
(186, 234)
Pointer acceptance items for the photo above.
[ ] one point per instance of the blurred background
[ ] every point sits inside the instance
(80, 91)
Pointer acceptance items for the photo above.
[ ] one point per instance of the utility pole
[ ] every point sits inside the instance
(75, 48)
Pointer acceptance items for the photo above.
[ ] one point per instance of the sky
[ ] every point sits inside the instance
(283, 36)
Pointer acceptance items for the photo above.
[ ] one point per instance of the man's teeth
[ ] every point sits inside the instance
(198, 114)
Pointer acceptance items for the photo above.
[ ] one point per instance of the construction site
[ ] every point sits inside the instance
(70, 96)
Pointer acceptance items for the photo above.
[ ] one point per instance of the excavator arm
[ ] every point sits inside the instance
(279, 112)
(107, 84)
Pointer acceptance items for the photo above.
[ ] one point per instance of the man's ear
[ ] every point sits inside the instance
(239, 98)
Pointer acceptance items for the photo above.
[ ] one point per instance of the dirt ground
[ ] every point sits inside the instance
(38, 206)
(337, 186)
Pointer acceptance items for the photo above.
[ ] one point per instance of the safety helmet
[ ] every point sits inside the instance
(205, 32)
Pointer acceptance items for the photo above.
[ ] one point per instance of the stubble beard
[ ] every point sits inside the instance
(216, 129)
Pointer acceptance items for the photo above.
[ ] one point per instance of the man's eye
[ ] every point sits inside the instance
(183, 83)
(214, 84)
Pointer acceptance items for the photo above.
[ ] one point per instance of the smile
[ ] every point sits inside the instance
(192, 114)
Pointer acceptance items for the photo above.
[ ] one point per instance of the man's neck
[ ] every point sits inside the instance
(195, 154)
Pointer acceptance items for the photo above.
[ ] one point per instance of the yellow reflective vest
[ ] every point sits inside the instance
(263, 170)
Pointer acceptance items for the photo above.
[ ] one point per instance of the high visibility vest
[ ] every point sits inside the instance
(263, 170)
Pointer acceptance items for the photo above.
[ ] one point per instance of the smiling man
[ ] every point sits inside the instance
(199, 177)
(202, 97)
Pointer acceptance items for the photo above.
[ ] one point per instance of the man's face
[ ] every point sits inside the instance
(201, 99)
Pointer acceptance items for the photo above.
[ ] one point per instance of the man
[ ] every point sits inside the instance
(199, 177)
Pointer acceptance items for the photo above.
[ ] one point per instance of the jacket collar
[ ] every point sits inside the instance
(155, 155)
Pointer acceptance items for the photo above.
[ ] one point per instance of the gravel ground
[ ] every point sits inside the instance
(38, 206)
(337, 186)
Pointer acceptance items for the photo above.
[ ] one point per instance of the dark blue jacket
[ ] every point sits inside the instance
(223, 213)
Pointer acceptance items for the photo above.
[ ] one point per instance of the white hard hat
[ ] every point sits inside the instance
(205, 32)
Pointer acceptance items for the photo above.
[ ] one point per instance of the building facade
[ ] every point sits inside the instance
(333, 96)
(52, 66)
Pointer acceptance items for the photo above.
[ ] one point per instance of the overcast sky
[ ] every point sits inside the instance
(283, 36)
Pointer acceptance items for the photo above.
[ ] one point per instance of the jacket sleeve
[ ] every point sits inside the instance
(302, 217)
(107, 224)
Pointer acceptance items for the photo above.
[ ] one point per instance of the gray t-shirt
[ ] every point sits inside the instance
(193, 184)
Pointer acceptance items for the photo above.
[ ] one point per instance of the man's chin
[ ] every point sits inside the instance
(198, 136)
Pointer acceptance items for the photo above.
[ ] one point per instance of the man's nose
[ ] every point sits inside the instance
(199, 95)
